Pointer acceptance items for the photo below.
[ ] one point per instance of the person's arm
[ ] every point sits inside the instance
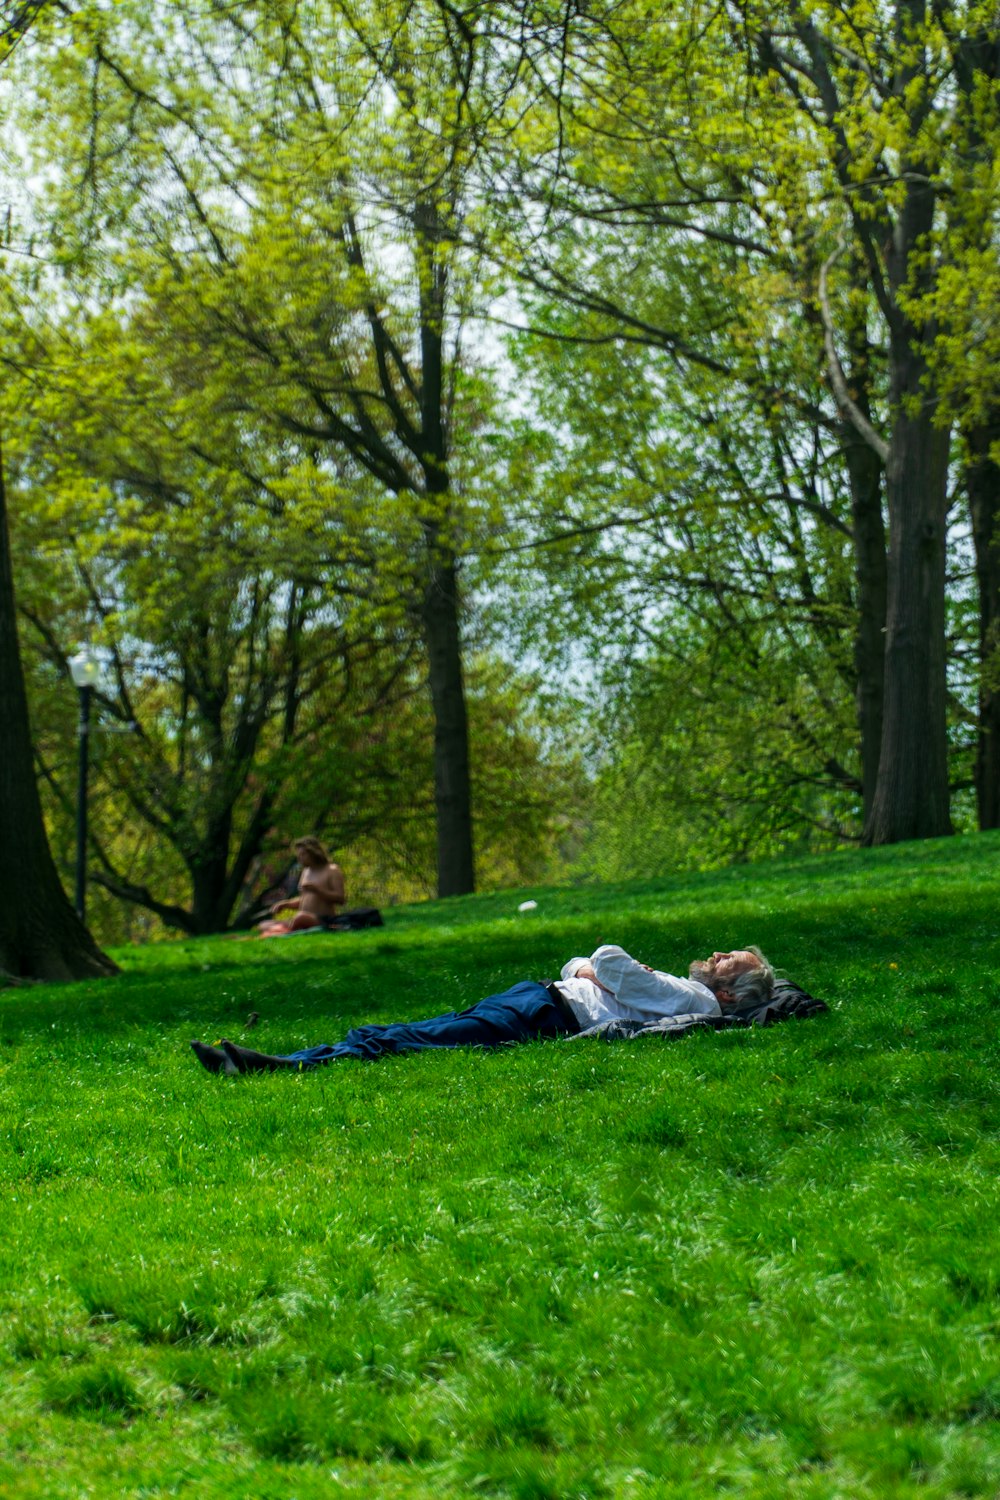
(642, 992)
(611, 965)
(587, 971)
(331, 885)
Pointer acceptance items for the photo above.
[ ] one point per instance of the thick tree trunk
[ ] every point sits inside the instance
(452, 784)
(911, 796)
(870, 577)
(983, 483)
(211, 898)
(41, 936)
(440, 607)
(864, 469)
(215, 884)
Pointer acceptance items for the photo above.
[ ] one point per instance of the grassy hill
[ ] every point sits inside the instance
(752, 1263)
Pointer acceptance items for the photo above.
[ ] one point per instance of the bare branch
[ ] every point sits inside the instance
(848, 406)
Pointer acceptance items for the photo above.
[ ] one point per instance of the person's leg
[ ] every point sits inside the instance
(523, 1013)
(213, 1058)
(246, 1060)
(302, 920)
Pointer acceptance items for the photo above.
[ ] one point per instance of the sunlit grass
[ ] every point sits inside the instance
(757, 1263)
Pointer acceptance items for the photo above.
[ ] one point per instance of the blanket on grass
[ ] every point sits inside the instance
(354, 920)
(788, 1002)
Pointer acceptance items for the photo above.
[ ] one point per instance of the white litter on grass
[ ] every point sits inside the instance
(528, 906)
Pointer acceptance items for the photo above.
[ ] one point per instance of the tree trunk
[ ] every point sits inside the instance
(41, 936)
(983, 483)
(211, 898)
(864, 469)
(215, 885)
(911, 795)
(440, 606)
(452, 785)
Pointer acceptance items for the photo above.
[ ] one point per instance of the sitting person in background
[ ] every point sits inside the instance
(608, 985)
(321, 892)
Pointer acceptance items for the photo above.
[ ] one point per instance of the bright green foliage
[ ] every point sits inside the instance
(253, 682)
(259, 322)
(260, 350)
(283, 195)
(682, 452)
(706, 550)
(757, 196)
(711, 763)
(267, 655)
(765, 1262)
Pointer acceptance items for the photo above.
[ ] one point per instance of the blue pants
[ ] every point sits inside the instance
(523, 1013)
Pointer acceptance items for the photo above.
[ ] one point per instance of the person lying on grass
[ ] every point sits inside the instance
(609, 984)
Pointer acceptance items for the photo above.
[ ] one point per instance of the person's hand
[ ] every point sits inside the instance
(586, 971)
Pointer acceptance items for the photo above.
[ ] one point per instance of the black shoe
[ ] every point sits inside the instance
(213, 1058)
(245, 1060)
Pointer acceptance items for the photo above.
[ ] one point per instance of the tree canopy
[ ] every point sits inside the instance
(383, 376)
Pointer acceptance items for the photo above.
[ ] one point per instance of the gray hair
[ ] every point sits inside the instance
(755, 986)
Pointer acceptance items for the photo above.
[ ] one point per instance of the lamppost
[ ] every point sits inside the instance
(85, 670)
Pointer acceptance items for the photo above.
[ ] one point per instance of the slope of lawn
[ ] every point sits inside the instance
(757, 1263)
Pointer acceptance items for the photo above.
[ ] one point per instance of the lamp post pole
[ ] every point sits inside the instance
(85, 670)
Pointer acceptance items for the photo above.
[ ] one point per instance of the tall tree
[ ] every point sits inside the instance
(801, 132)
(982, 478)
(299, 180)
(41, 936)
(237, 596)
(842, 71)
(715, 342)
(964, 353)
(710, 547)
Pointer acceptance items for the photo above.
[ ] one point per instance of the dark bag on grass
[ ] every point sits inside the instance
(353, 920)
(788, 1002)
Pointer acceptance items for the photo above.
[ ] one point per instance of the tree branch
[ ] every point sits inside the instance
(848, 406)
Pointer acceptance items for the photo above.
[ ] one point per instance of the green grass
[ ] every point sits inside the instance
(753, 1263)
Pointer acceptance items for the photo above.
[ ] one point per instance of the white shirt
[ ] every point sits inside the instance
(630, 991)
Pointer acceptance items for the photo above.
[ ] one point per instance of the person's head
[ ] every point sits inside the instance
(742, 976)
(310, 851)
